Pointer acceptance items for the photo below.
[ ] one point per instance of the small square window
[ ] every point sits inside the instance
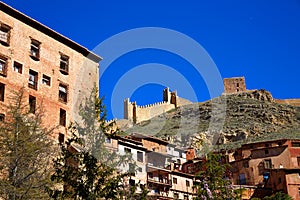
(3, 66)
(150, 175)
(64, 64)
(127, 150)
(140, 156)
(266, 151)
(4, 34)
(61, 138)
(33, 79)
(32, 104)
(140, 169)
(2, 91)
(46, 80)
(187, 183)
(35, 49)
(63, 93)
(108, 140)
(62, 117)
(174, 180)
(18, 67)
(2, 117)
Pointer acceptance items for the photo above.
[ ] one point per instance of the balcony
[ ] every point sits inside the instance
(159, 181)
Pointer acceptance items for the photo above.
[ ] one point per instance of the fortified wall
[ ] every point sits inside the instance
(136, 113)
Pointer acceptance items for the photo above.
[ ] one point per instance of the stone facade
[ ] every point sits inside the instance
(56, 72)
(234, 85)
(136, 113)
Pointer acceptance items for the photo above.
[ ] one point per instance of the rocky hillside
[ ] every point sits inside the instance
(228, 118)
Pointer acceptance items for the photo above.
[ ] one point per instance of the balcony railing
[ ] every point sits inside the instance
(161, 181)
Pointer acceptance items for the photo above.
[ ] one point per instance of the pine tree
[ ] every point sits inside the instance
(25, 151)
(86, 169)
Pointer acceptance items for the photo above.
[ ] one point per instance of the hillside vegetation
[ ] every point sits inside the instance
(239, 117)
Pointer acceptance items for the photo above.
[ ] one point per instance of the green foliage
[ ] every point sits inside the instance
(25, 152)
(86, 169)
(278, 196)
(213, 181)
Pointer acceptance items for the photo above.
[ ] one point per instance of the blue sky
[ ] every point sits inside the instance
(256, 39)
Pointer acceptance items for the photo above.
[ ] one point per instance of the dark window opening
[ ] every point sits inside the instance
(63, 93)
(140, 156)
(268, 164)
(131, 182)
(3, 66)
(127, 150)
(266, 151)
(237, 85)
(150, 175)
(4, 34)
(62, 117)
(32, 104)
(33, 79)
(46, 80)
(295, 144)
(174, 180)
(61, 138)
(279, 180)
(187, 183)
(2, 91)
(64, 64)
(108, 140)
(17, 67)
(2, 117)
(35, 49)
(140, 169)
(298, 161)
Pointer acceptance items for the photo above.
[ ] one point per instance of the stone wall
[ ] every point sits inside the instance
(136, 113)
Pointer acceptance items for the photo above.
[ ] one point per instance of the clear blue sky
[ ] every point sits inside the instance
(253, 38)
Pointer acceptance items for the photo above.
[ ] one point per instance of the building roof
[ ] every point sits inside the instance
(51, 33)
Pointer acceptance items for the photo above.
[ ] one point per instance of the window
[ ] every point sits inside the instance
(176, 196)
(268, 164)
(46, 80)
(266, 151)
(33, 79)
(174, 180)
(2, 91)
(64, 64)
(131, 168)
(35, 49)
(2, 117)
(127, 150)
(150, 175)
(140, 169)
(62, 117)
(3, 66)
(295, 144)
(131, 182)
(108, 140)
(186, 197)
(61, 138)
(279, 180)
(298, 161)
(140, 157)
(4, 34)
(17, 67)
(187, 183)
(299, 191)
(32, 104)
(63, 93)
(246, 164)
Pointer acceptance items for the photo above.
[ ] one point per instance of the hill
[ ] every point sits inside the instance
(229, 118)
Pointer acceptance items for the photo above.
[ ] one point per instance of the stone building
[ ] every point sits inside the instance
(56, 72)
(271, 166)
(234, 84)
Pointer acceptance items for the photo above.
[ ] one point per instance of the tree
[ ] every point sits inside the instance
(278, 196)
(25, 151)
(214, 183)
(85, 168)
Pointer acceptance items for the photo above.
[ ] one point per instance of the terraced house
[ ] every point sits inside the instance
(54, 70)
